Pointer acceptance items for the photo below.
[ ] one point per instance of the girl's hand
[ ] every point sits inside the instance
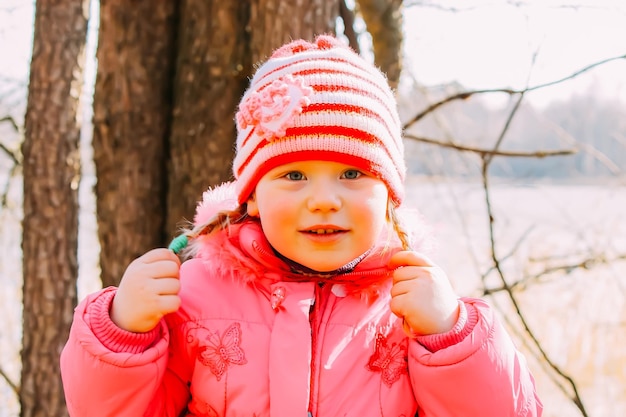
(147, 292)
(421, 294)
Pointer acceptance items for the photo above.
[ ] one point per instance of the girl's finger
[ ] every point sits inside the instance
(169, 303)
(163, 269)
(407, 273)
(409, 258)
(160, 254)
(399, 288)
(166, 286)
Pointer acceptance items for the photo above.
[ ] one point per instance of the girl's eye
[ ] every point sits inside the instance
(294, 176)
(352, 174)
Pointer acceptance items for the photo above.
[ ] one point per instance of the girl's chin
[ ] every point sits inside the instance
(327, 264)
(321, 264)
(321, 267)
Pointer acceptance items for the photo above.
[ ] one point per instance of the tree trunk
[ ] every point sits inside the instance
(132, 107)
(383, 19)
(275, 22)
(51, 176)
(212, 68)
(219, 42)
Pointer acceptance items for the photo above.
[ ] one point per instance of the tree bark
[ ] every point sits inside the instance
(275, 22)
(383, 19)
(219, 42)
(51, 176)
(211, 73)
(347, 16)
(132, 109)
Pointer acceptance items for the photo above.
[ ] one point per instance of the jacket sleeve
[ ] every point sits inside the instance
(482, 374)
(107, 371)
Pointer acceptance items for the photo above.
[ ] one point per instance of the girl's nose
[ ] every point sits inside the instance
(324, 196)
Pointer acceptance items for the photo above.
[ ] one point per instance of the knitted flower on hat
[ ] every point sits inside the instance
(271, 110)
(318, 101)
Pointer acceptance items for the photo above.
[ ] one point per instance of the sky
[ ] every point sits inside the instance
(477, 43)
(487, 44)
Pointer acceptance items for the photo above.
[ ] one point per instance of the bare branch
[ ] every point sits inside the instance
(590, 149)
(482, 151)
(587, 264)
(13, 155)
(575, 74)
(10, 383)
(514, 249)
(10, 154)
(459, 96)
(11, 121)
(574, 397)
(467, 94)
(436, 6)
(4, 197)
(488, 157)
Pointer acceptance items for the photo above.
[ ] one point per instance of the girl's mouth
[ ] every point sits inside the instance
(323, 231)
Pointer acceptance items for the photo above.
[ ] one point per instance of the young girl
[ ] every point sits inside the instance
(304, 293)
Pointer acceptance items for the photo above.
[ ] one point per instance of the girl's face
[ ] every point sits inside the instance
(320, 214)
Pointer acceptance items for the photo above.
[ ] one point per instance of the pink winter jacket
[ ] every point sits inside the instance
(253, 339)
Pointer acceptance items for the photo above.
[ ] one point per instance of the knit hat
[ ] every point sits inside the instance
(318, 101)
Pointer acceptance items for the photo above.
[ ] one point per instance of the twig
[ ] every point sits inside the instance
(5, 192)
(436, 6)
(567, 269)
(11, 122)
(10, 383)
(14, 157)
(587, 264)
(10, 154)
(467, 94)
(484, 152)
(576, 73)
(575, 398)
(514, 249)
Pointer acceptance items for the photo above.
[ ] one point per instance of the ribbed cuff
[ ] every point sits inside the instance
(468, 317)
(112, 337)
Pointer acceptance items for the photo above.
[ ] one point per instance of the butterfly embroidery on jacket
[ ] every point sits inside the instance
(389, 359)
(218, 352)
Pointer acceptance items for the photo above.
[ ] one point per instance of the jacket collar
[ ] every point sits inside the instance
(242, 252)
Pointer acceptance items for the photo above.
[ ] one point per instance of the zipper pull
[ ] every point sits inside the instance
(278, 295)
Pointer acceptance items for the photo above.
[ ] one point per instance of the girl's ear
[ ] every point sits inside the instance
(252, 207)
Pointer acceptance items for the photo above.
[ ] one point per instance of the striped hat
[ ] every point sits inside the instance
(318, 101)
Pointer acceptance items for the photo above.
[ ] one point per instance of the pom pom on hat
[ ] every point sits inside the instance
(318, 101)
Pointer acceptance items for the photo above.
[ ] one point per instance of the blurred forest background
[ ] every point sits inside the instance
(115, 118)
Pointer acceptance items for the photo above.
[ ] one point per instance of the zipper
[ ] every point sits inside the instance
(314, 335)
(320, 299)
(320, 311)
